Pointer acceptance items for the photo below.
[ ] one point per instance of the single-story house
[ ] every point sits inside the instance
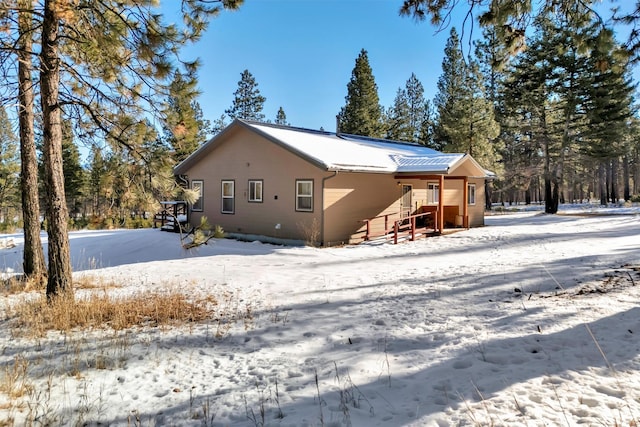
(280, 183)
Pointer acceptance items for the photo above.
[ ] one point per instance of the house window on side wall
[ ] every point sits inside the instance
(433, 193)
(198, 187)
(228, 197)
(471, 191)
(255, 191)
(304, 195)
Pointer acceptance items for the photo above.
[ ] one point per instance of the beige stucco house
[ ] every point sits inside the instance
(280, 183)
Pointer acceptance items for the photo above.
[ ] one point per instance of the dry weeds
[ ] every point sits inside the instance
(34, 317)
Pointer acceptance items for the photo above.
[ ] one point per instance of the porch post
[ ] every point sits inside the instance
(441, 204)
(465, 205)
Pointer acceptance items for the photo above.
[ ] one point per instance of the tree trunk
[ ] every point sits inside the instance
(635, 171)
(614, 180)
(550, 188)
(488, 194)
(551, 191)
(626, 177)
(602, 186)
(60, 279)
(33, 264)
(607, 181)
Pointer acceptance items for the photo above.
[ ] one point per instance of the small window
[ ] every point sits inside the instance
(433, 193)
(255, 191)
(471, 192)
(304, 195)
(198, 186)
(228, 197)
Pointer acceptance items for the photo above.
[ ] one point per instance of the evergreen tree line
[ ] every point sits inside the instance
(120, 185)
(555, 122)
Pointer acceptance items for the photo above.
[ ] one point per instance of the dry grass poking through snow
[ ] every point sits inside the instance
(95, 307)
(33, 316)
(36, 317)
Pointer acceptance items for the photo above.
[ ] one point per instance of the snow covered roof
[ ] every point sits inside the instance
(350, 153)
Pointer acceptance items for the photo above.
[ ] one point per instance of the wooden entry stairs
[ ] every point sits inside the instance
(172, 217)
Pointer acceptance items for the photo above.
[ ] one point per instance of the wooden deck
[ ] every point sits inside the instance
(423, 223)
(397, 226)
(172, 217)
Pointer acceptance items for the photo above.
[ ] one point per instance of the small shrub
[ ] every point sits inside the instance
(82, 222)
(8, 227)
(131, 223)
(143, 222)
(94, 222)
(311, 232)
(218, 232)
(79, 223)
(109, 223)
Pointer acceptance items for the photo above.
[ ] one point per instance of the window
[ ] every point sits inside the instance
(255, 191)
(304, 195)
(433, 193)
(471, 192)
(198, 186)
(405, 202)
(228, 196)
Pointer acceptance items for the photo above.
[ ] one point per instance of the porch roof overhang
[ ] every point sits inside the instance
(426, 176)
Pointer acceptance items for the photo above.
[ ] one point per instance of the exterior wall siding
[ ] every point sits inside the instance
(476, 212)
(246, 156)
(352, 197)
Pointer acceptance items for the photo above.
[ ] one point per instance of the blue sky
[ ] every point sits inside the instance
(302, 52)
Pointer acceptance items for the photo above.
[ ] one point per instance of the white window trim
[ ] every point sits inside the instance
(471, 201)
(261, 185)
(232, 197)
(198, 205)
(433, 193)
(298, 195)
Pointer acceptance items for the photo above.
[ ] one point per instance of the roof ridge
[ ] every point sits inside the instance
(286, 127)
(345, 136)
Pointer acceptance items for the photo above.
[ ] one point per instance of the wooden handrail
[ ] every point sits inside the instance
(396, 229)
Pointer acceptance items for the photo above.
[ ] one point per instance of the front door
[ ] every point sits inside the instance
(405, 206)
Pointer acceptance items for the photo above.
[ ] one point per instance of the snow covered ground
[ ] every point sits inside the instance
(533, 320)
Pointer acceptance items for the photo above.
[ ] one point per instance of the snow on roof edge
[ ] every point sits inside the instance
(376, 155)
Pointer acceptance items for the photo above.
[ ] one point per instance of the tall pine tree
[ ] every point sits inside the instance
(184, 127)
(362, 113)
(247, 101)
(409, 117)
(33, 263)
(281, 117)
(491, 58)
(466, 122)
(9, 171)
(74, 174)
(609, 114)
